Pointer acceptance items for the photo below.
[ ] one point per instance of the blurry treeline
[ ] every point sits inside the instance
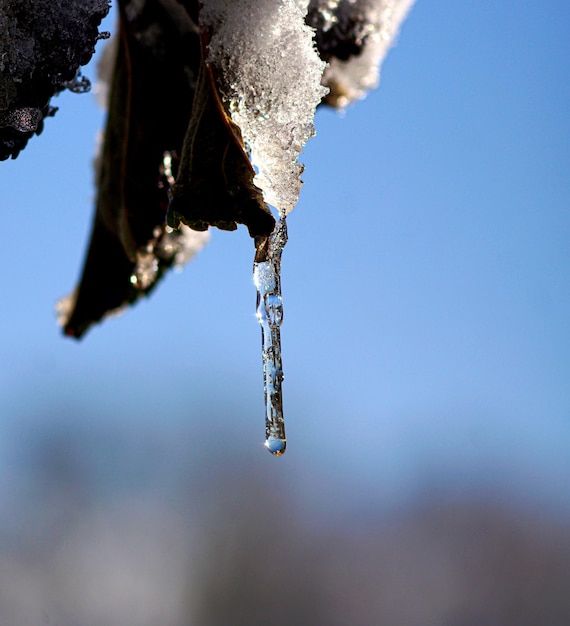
(103, 528)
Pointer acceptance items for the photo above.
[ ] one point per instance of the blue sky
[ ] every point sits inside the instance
(426, 283)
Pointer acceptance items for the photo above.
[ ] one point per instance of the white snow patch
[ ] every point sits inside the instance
(379, 22)
(270, 81)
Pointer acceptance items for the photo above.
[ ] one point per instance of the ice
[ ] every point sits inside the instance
(170, 245)
(175, 247)
(269, 76)
(146, 270)
(267, 280)
(372, 26)
(271, 79)
(182, 244)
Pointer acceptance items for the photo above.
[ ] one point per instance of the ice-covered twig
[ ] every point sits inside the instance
(269, 311)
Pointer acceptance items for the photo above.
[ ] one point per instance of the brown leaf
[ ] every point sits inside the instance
(150, 102)
(214, 186)
(163, 101)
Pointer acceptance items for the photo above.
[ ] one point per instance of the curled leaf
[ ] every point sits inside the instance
(151, 96)
(214, 186)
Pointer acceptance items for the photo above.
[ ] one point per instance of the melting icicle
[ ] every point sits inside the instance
(269, 311)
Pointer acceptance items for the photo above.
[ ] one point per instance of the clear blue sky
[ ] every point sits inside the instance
(426, 283)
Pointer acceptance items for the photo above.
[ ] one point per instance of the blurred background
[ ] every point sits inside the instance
(426, 352)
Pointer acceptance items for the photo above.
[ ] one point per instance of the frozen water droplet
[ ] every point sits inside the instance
(146, 270)
(276, 446)
(167, 167)
(78, 84)
(267, 280)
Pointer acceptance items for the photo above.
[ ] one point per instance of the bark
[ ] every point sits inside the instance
(43, 43)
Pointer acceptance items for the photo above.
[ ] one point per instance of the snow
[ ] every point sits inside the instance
(376, 24)
(269, 75)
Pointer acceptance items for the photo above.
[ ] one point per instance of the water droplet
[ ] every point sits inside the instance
(276, 446)
(146, 270)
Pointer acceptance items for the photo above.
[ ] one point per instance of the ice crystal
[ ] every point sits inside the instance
(354, 36)
(270, 80)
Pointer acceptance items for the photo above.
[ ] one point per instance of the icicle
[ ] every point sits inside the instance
(269, 311)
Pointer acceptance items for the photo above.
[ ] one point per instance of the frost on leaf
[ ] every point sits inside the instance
(214, 186)
(210, 105)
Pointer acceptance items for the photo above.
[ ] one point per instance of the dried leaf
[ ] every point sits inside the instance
(163, 102)
(151, 98)
(214, 186)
